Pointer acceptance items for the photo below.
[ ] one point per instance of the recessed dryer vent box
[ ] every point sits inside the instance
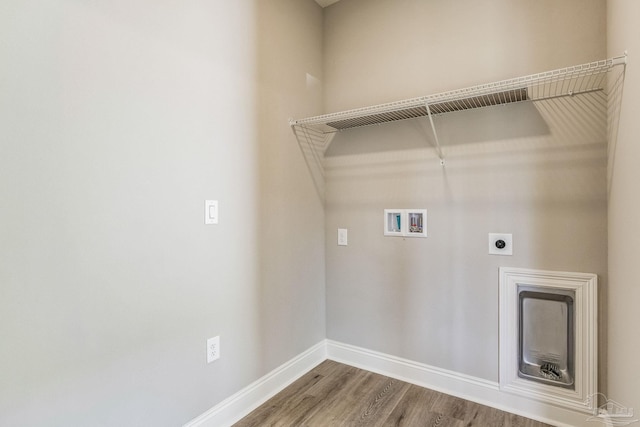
(405, 222)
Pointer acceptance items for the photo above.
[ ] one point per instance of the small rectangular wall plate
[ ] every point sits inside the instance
(500, 244)
(342, 237)
(213, 349)
(210, 212)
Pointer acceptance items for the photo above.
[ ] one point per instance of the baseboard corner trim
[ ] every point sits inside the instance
(479, 390)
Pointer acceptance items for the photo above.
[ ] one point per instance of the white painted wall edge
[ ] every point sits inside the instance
(467, 387)
(237, 406)
(478, 390)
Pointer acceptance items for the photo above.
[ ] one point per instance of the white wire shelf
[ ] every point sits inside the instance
(568, 81)
(314, 134)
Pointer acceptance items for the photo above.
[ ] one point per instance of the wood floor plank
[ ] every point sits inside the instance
(373, 400)
(330, 367)
(329, 396)
(338, 400)
(337, 395)
(414, 410)
(481, 416)
(453, 406)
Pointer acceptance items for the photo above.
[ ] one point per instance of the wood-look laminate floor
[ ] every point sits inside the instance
(333, 394)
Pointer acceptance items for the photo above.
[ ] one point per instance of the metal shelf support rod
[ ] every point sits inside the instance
(435, 134)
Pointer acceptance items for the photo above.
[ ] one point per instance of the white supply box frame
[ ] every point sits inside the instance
(405, 222)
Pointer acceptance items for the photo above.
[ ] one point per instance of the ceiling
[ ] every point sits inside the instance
(325, 3)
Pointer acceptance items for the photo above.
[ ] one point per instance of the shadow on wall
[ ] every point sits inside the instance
(289, 298)
(463, 127)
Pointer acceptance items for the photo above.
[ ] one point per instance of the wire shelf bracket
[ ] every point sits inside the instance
(435, 134)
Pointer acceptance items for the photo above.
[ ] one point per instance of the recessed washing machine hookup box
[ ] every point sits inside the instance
(405, 222)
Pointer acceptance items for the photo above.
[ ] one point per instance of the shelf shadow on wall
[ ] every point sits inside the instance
(460, 128)
(547, 129)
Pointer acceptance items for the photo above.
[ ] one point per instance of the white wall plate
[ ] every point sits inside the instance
(500, 244)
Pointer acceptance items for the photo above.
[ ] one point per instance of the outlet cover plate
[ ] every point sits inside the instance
(213, 349)
(508, 244)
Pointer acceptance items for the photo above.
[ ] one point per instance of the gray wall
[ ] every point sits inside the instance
(538, 172)
(624, 215)
(117, 120)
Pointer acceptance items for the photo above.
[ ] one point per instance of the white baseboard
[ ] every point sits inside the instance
(478, 390)
(467, 387)
(237, 406)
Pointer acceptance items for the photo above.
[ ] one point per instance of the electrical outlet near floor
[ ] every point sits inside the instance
(213, 349)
